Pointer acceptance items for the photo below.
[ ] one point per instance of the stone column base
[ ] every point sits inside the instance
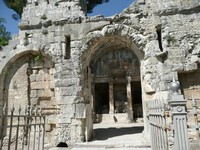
(130, 115)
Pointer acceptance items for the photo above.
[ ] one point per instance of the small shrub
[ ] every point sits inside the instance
(6, 72)
(38, 57)
(170, 39)
(26, 42)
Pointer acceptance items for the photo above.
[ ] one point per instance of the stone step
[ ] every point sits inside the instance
(107, 146)
(110, 148)
(104, 146)
(112, 118)
(115, 118)
(100, 148)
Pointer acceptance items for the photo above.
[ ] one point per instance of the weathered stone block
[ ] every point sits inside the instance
(47, 127)
(80, 110)
(70, 91)
(33, 93)
(51, 84)
(151, 61)
(34, 101)
(39, 85)
(64, 119)
(48, 93)
(32, 78)
(76, 132)
(52, 119)
(40, 77)
(190, 67)
(51, 77)
(68, 100)
(40, 93)
(51, 71)
(76, 44)
(148, 88)
(45, 103)
(163, 86)
(53, 101)
(70, 82)
(67, 110)
(48, 64)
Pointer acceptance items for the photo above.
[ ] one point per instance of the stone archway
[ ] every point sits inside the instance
(26, 74)
(109, 39)
(27, 79)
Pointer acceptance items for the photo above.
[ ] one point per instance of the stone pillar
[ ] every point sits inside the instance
(93, 103)
(111, 98)
(129, 99)
(91, 88)
(179, 117)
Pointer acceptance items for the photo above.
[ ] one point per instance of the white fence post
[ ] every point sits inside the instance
(179, 118)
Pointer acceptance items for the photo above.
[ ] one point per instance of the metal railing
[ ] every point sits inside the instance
(157, 112)
(22, 129)
(194, 125)
(177, 111)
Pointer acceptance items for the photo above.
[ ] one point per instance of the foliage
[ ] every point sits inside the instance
(92, 3)
(26, 42)
(4, 35)
(5, 72)
(38, 57)
(16, 5)
(170, 39)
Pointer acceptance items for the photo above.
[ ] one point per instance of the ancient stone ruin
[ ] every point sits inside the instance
(83, 70)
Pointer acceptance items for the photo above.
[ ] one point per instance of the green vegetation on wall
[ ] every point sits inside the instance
(16, 5)
(92, 3)
(4, 35)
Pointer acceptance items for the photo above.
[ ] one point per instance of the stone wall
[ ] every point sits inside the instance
(190, 86)
(164, 35)
(48, 12)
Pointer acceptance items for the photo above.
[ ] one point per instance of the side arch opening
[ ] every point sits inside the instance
(27, 79)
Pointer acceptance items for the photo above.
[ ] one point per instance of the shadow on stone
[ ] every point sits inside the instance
(105, 133)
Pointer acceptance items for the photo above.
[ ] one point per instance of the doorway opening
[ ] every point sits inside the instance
(116, 87)
(102, 98)
(120, 98)
(137, 100)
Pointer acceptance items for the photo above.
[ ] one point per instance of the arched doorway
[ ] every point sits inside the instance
(116, 86)
(100, 48)
(28, 79)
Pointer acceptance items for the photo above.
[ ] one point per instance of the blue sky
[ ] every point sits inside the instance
(107, 9)
(11, 24)
(111, 8)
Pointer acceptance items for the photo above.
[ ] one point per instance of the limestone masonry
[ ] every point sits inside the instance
(83, 70)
